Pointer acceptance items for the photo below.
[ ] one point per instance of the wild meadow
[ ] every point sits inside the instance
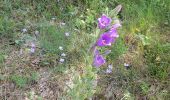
(84, 49)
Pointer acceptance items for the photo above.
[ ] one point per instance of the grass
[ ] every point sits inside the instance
(143, 44)
(19, 80)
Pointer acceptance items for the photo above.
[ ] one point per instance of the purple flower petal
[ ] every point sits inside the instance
(113, 33)
(104, 22)
(98, 60)
(105, 40)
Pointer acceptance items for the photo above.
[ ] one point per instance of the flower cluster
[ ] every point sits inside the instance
(62, 55)
(105, 39)
(109, 69)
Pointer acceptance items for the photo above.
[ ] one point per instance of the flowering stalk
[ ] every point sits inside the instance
(105, 39)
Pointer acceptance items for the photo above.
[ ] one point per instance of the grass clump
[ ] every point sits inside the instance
(6, 27)
(52, 38)
(20, 81)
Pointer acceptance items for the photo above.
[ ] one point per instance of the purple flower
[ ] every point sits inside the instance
(105, 40)
(113, 33)
(98, 59)
(104, 21)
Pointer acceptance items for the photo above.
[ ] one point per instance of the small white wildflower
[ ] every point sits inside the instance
(63, 54)
(24, 30)
(67, 34)
(110, 66)
(60, 48)
(61, 60)
(32, 50)
(32, 45)
(108, 70)
(126, 65)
